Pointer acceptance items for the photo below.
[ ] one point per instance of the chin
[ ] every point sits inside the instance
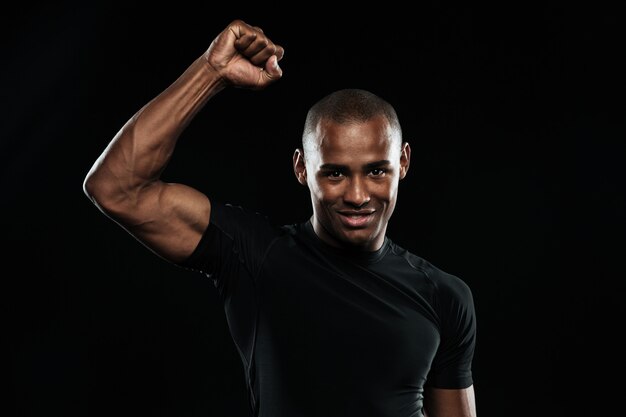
(359, 237)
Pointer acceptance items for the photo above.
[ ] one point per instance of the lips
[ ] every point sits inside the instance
(355, 218)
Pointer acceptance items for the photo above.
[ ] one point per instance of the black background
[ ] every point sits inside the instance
(516, 185)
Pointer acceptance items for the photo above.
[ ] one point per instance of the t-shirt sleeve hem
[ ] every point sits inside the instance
(443, 383)
(197, 261)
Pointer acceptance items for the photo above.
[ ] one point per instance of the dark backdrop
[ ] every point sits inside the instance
(516, 185)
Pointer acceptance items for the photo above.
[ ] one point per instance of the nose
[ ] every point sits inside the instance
(356, 193)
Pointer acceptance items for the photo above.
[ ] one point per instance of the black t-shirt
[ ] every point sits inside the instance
(324, 331)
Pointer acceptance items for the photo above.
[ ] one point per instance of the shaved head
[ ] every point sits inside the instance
(352, 158)
(348, 106)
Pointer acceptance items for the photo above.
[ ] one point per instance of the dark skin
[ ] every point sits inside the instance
(125, 181)
(169, 218)
(355, 168)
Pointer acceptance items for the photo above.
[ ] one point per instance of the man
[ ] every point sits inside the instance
(330, 317)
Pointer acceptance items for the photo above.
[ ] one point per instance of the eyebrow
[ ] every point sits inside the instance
(366, 166)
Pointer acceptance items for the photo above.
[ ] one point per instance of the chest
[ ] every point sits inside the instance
(346, 317)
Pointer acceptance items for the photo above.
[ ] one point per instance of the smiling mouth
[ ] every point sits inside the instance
(355, 219)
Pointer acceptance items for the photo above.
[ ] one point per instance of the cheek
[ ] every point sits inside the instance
(324, 190)
(314, 186)
(385, 190)
(322, 195)
(392, 192)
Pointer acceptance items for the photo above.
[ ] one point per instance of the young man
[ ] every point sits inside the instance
(330, 317)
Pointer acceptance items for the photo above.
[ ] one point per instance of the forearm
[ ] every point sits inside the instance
(143, 147)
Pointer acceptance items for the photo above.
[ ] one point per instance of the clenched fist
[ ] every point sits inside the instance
(243, 56)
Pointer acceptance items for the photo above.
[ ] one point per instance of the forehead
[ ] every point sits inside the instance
(354, 141)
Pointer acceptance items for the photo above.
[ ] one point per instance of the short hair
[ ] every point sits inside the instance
(349, 105)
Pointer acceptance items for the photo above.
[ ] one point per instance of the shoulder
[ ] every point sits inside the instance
(446, 284)
(221, 209)
(233, 219)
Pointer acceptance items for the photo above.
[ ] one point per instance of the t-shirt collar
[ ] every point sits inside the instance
(355, 254)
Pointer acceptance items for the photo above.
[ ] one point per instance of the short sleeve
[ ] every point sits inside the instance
(232, 247)
(452, 364)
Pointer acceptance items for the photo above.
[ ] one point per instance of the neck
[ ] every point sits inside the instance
(328, 237)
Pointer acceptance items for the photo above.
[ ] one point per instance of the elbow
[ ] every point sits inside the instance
(100, 192)
(95, 186)
(106, 192)
(89, 186)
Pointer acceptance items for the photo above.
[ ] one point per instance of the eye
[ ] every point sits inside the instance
(334, 174)
(378, 172)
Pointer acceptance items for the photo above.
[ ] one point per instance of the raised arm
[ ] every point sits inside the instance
(124, 182)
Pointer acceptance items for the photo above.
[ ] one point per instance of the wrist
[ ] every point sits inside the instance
(215, 75)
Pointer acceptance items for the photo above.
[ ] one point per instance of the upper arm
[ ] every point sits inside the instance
(168, 218)
(439, 402)
(449, 388)
(451, 367)
(233, 247)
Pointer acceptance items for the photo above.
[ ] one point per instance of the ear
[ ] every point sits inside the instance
(299, 166)
(405, 159)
